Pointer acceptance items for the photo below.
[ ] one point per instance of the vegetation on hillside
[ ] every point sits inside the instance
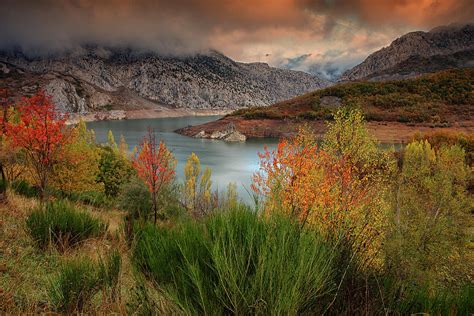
(438, 99)
(341, 226)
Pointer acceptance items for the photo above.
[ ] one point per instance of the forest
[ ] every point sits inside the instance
(340, 225)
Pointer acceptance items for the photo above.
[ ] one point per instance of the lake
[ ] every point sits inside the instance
(230, 162)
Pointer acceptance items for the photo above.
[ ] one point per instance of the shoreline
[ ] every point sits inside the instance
(118, 115)
(384, 132)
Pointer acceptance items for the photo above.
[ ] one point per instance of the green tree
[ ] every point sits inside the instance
(427, 244)
(114, 170)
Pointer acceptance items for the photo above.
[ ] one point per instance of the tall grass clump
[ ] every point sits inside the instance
(62, 225)
(238, 262)
(74, 286)
(109, 274)
(79, 280)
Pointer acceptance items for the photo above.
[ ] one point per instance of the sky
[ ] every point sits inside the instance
(317, 36)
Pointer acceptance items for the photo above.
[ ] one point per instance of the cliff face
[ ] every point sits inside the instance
(422, 46)
(96, 78)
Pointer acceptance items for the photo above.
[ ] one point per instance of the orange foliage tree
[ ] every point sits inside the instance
(5, 105)
(39, 130)
(341, 187)
(306, 182)
(155, 165)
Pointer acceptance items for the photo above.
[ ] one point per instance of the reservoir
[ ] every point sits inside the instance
(229, 162)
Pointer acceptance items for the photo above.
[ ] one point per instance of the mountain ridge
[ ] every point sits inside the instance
(93, 79)
(440, 41)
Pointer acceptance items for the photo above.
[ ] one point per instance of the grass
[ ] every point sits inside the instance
(93, 198)
(74, 286)
(26, 272)
(79, 280)
(231, 262)
(62, 225)
(239, 263)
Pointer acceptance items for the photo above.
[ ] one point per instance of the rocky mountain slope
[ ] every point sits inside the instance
(97, 78)
(415, 53)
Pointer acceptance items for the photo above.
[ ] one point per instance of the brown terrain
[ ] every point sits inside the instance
(385, 132)
(395, 110)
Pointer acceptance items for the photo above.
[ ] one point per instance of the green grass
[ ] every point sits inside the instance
(75, 284)
(79, 280)
(23, 188)
(237, 262)
(62, 225)
(404, 300)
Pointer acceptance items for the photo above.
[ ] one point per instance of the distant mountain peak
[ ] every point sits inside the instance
(440, 41)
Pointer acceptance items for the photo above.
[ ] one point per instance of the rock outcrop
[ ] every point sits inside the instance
(98, 78)
(229, 134)
(419, 52)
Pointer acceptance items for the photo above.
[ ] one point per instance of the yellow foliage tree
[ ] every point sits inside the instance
(197, 187)
(79, 166)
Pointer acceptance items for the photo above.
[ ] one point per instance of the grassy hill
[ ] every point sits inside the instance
(441, 99)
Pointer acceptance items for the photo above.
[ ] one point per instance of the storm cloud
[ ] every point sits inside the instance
(328, 32)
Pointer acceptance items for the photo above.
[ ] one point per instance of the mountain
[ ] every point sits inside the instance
(96, 78)
(420, 52)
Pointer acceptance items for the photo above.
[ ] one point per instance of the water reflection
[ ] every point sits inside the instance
(230, 162)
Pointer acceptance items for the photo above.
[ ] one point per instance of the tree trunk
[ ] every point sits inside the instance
(154, 207)
(4, 186)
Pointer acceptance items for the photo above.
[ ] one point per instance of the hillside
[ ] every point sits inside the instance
(99, 78)
(416, 65)
(419, 52)
(441, 100)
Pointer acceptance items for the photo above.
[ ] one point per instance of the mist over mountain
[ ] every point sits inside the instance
(99, 77)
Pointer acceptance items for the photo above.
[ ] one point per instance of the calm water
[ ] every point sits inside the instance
(230, 162)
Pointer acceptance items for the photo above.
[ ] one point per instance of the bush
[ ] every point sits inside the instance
(23, 188)
(263, 113)
(94, 198)
(236, 262)
(79, 280)
(114, 170)
(62, 225)
(420, 300)
(135, 198)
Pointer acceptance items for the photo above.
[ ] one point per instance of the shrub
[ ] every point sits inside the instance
(62, 225)
(135, 199)
(426, 244)
(114, 170)
(263, 113)
(236, 262)
(94, 198)
(23, 188)
(420, 300)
